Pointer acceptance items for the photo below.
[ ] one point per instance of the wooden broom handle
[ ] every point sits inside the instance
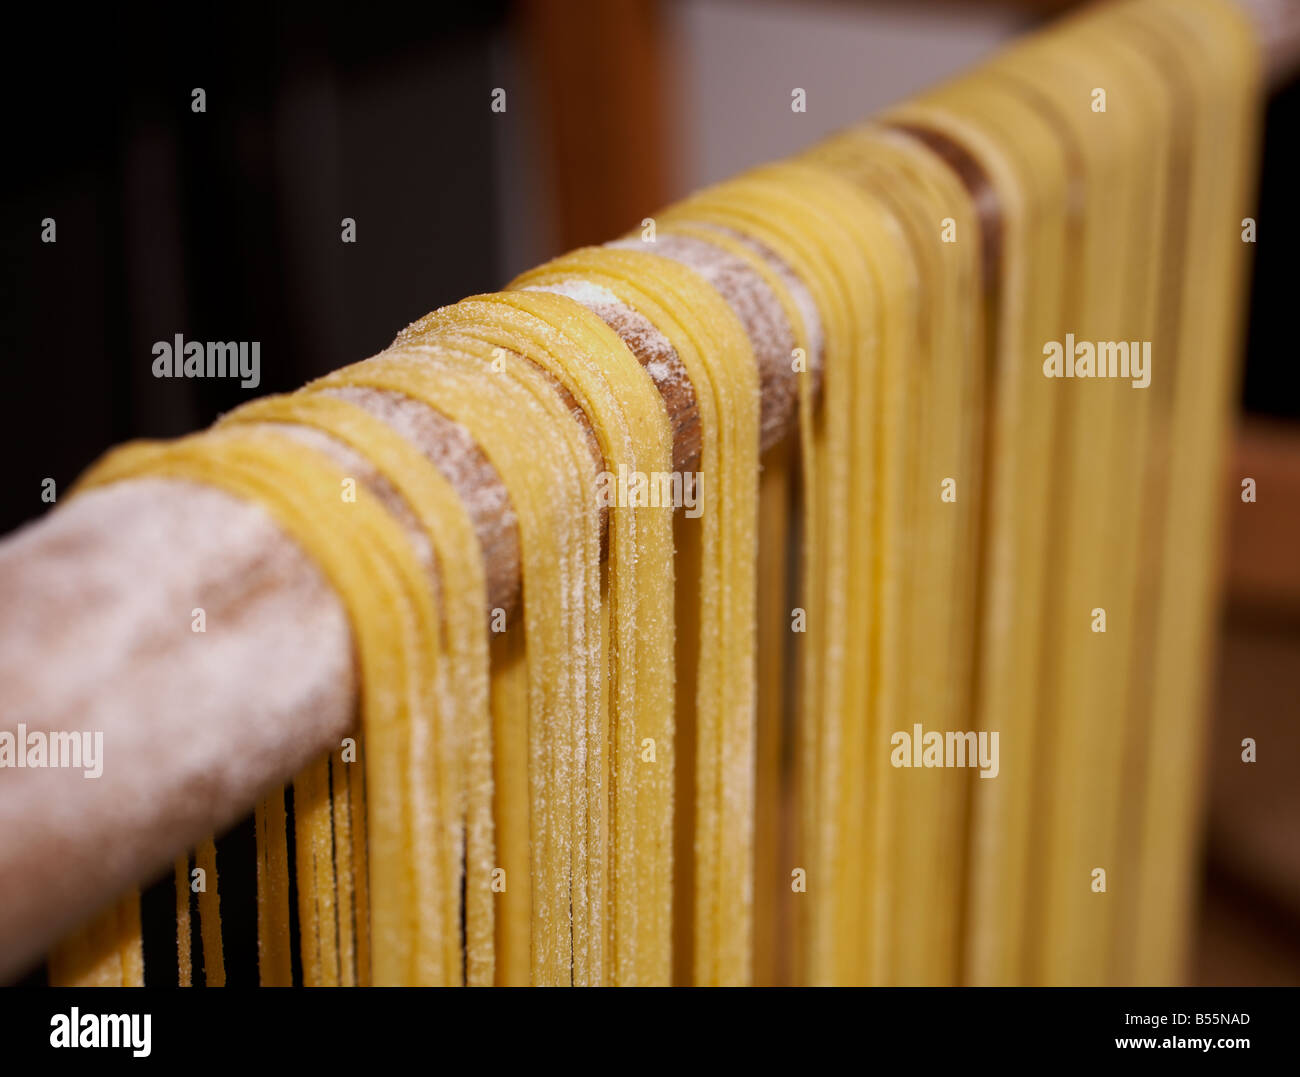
(97, 610)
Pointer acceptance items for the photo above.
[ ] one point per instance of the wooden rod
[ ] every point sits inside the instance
(98, 606)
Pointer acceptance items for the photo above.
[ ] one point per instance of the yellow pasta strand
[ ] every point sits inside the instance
(184, 958)
(214, 966)
(314, 852)
(344, 883)
(631, 429)
(930, 484)
(1029, 175)
(720, 750)
(1213, 42)
(750, 205)
(462, 590)
(554, 500)
(274, 961)
(510, 807)
(773, 910)
(375, 574)
(712, 346)
(104, 952)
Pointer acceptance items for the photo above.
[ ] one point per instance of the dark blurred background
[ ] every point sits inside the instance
(226, 225)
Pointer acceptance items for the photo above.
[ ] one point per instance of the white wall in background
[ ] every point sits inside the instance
(737, 62)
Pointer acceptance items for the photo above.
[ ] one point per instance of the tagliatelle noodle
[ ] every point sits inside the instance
(1028, 173)
(706, 327)
(752, 286)
(988, 548)
(935, 358)
(1215, 47)
(878, 432)
(1011, 619)
(314, 871)
(514, 412)
(1079, 578)
(1100, 537)
(1157, 87)
(1138, 459)
(1075, 833)
(748, 213)
(777, 212)
(559, 747)
(630, 423)
(714, 349)
(776, 492)
(931, 488)
(1137, 530)
(463, 737)
(509, 706)
(345, 883)
(104, 952)
(274, 956)
(214, 965)
(1149, 51)
(375, 573)
(184, 956)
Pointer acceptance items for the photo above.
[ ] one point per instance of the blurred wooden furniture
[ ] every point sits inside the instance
(1250, 930)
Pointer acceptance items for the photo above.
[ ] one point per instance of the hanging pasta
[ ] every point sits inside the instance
(863, 511)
